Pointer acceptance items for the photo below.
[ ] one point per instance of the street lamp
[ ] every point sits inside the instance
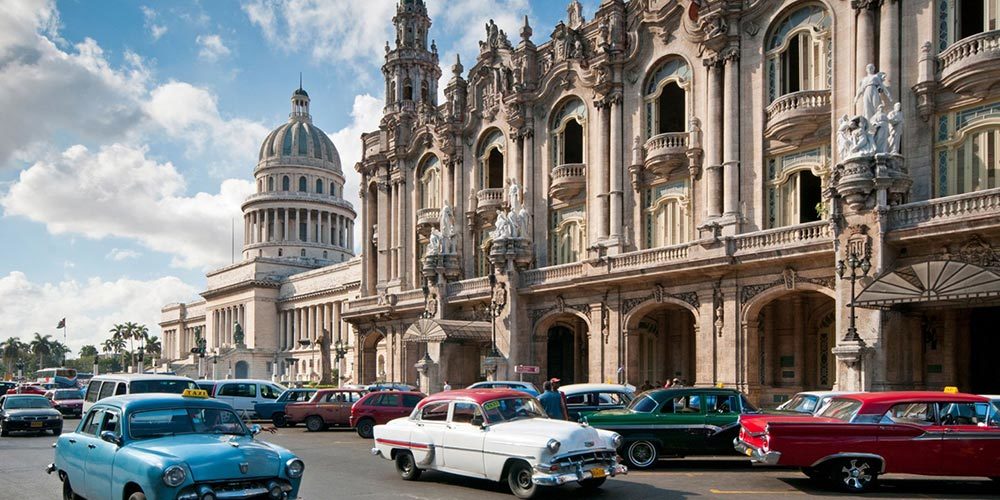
(496, 305)
(853, 263)
(339, 353)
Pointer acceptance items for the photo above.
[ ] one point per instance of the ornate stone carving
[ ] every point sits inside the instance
(748, 292)
(858, 241)
(978, 251)
(658, 295)
(789, 276)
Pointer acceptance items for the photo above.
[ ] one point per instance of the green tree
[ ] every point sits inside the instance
(153, 347)
(57, 353)
(41, 347)
(88, 351)
(11, 351)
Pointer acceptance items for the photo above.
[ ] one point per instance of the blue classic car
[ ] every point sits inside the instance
(275, 410)
(165, 446)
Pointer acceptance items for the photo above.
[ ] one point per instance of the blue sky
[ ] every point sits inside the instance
(131, 129)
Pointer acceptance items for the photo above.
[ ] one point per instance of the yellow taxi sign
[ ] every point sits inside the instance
(951, 389)
(195, 393)
(720, 385)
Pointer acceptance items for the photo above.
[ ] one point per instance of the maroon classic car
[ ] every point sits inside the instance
(377, 408)
(69, 402)
(326, 407)
(858, 437)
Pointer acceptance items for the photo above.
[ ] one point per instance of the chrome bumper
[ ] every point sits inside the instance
(756, 455)
(562, 477)
(49, 469)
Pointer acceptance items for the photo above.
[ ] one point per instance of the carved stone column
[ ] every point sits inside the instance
(731, 144)
(617, 150)
(865, 38)
(713, 140)
(889, 42)
(603, 171)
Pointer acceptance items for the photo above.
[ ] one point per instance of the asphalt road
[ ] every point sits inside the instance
(339, 466)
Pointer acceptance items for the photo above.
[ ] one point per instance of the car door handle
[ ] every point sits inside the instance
(91, 446)
(72, 441)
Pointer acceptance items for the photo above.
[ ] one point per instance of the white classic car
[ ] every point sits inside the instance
(498, 434)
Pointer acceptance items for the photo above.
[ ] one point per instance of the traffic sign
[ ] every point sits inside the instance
(532, 370)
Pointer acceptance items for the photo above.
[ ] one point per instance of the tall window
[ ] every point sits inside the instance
(494, 169)
(286, 183)
(799, 52)
(665, 96)
(270, 183)
(333, 189)
(430, 183)
(795, 187)
(319, 186)
(407, 90)
(967, 150)
(666, 214)
(424, 94)
(491, 160)
(567, 132)
(568, 236)
(483, 244)
(959, 19)
(302, 184)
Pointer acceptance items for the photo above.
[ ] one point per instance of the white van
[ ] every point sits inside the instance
(116, 384)
(243, 394)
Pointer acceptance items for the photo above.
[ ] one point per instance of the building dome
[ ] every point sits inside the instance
(298, 141)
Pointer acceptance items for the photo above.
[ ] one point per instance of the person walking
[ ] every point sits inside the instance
(447, 386)
(645, 386)
(552, 401)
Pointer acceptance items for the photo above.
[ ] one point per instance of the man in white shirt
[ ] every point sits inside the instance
(447, 386)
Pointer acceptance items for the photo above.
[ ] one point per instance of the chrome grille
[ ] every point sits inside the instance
(586, 458)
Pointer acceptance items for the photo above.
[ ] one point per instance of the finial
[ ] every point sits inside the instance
(526, 30)
(300, 80)
(456, 69)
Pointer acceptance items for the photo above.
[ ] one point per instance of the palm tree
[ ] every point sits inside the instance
(153, 347)
(88, 351)
(141, 334)
(11, 350)
(58, 352)
(41, 346)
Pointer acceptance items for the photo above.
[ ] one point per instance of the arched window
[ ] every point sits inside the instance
(795, 187)
(567, 132)
(491, 160)
(390, 92)
(407, 90)
(430, 183)
(665, 96)
(260, 185)
(270, 183)
(319, 186)
(286, 183)
(424, 94)
(799, 52)
(302, 184)
(967, 150)
(568, 236)
(667, 218)
(300, 139)
(333, 189)
(286, 143)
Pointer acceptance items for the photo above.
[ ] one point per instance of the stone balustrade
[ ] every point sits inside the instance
(798, 114)
(297, 196)
(488, 199)
(977, 203)
(551, 274)
(468, 286)
(665, 152)
(428, 218)
(649, 257)
(971, 65)
(773, 239)
(568, 180)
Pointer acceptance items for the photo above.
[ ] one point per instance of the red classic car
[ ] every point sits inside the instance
(326, 407)
(858, 437)
(28, 389)
(377, 408)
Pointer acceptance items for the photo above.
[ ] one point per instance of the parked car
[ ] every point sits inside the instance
(207, 386)
(681, 422)
(389, 386)
(6, 385)
(859, 437)
(28, 412)
(27, 389)
(808, 403)
(275, 410)
(117, 384)
(69, 402)
(327, 407)
(244, 394)
(501, 435)
(171, 446)
(377, 408)
(582, 399)
(517, 385)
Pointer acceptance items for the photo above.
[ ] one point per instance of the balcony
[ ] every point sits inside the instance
(427, 219)
(488, 200)
(784, 240)
(666, 152)
(971, 65)
(794, 116)
(945, 217)
(568, 180)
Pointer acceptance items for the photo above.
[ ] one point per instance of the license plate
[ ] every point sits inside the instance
(598, 472)
(36, 424)
(749, 452)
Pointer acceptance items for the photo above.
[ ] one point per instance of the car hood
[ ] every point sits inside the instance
(536, 432)
(33, 412)
(217, 457)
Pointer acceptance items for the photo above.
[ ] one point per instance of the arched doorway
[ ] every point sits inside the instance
(373, 358)
(242, 369)
(661, 345)
(565, 350)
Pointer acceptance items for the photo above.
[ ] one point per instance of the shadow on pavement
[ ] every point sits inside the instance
(611, 489)
(907, 488)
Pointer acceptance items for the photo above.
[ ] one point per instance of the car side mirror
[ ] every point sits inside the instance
(111, 437)
(255, 429)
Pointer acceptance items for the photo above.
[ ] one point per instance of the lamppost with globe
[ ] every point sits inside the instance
(854, 263)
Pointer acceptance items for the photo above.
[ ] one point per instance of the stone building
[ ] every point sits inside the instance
(674, 190)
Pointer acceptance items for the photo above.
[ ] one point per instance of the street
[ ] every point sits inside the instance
(339, 465)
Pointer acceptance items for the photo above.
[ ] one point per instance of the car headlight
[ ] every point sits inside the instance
(617, 441)
(553, 445)
(174, 476)
(295, 468)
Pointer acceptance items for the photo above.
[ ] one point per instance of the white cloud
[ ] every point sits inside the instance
(365, 115)
(212, 48)
(119, 192)
(91, 307)
(120, 254)
(155, 30)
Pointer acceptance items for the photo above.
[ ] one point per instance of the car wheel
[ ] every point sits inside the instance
(641, 454)
(519, 480)
(854, 475)
(137, 496)
(3, 430)
(279, 420)
(68, 493)
(315, 423)
(366, 428)
(406, 466)
(592, 483)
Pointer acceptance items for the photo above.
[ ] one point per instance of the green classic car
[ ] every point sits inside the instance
(675, 423)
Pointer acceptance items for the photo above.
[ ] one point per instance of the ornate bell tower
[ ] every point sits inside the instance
(411, 70)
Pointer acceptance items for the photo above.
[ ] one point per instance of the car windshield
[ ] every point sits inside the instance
(164, 386)
(801, 403)
(66, 394)
(841, 409)
(508, 409)
(21, 403)
(642, 404)
(174, 421)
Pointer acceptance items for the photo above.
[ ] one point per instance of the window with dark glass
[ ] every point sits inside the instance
(672, 109)
(302, 184)
(494, 164)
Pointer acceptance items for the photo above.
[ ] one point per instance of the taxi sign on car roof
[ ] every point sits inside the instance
(951, 389)
(195, 393)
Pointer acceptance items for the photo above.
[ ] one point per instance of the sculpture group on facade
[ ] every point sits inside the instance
(513, 222)
(871, 131)
(442, 240)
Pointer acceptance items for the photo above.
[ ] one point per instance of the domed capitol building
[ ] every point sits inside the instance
(771, 195)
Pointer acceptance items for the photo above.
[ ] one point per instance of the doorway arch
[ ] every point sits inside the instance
(241, 370)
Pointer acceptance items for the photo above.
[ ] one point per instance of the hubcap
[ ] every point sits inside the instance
(642, 453)
(856, 475)
(524, 479)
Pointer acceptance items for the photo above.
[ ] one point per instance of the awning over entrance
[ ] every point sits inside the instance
(934, 281)
(440, 330)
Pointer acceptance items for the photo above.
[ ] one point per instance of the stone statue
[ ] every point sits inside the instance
(237, 333)
(861, 143)
(432, 306)
(514, 196)
(880, 130)
(895, 121)
(502, 228)
(375, 234)
(577, 48)
(695, 138)
(434, 243)
(448, 232)
(872, 91)
(574, 13)
(523, 223)
(844, 141)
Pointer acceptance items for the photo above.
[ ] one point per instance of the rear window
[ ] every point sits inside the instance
(164, 386)
(841, 409)
(93, 389)
(643, 404)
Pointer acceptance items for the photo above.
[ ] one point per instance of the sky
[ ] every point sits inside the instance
(129, 131)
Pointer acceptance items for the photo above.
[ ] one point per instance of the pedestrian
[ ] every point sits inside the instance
(676, 382)
(669, 384)
(447, 386)
(645, 386)
(551, 400)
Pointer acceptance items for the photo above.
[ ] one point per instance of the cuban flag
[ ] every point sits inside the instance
(62, 324)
